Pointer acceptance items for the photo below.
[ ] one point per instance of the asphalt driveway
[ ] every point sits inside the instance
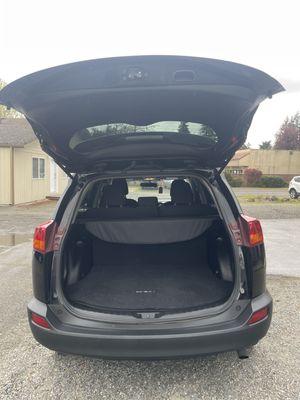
(30, 371)
(282, 237)
(278, 192)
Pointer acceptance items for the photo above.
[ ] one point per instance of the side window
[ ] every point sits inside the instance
(91, 197)
(38, 168)
(297, 179)
(41, 168)
(202, 195)
(35, 168)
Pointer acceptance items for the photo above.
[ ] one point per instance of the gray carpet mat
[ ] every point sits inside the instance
(149, 287)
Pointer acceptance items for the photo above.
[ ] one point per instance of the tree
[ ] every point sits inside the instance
(117, 128)
(246, 146)
(266, 145)
(252, 176)
(4, 112)
(288, 136)
(207, 132)
(183, 127)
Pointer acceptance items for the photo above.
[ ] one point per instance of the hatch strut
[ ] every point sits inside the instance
(216, 172)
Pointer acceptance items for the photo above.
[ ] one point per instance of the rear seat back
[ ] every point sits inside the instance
(150, 201)
(113, 206)
(112, 197)
(121, 213)
(140, 212)
(197, 210)
(181, 193)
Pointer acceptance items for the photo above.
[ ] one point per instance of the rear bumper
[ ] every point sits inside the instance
(229, 337)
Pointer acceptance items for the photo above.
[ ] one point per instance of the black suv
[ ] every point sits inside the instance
(119, 273)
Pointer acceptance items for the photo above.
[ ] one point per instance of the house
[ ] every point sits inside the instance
(26, 173)
(283, 163)
(239, 162)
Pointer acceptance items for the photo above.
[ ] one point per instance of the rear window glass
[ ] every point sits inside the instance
(180, 127)
(159, 187)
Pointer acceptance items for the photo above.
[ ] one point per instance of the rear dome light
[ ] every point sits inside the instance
(258, 315)
(40, 321)
(43, 237)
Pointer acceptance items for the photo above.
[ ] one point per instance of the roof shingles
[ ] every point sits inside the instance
(15, 132)
(239, 154)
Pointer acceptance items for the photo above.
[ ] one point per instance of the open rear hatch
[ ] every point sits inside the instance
(132, 108)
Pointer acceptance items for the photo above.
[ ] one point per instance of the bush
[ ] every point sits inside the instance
(272, 182)
(234, 182)
(252, 176)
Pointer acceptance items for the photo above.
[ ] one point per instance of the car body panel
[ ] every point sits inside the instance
(59, 101)
(295, 185)
(163, 342)
(141, 90)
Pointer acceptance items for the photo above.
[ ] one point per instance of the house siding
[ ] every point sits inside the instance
(18, 146)
(5, 175)
(283, 163)
(62, 181)
(27, 188)
(276, 162)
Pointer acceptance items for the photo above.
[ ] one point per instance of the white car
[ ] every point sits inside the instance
(294, 187)
(167, 183)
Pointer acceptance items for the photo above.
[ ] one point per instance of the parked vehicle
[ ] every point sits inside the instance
(125, 278)
(167, 183)
(149, 183)
(294, 187)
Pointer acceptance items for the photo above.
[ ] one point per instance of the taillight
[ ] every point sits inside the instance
(251, 230)
(40, 321)
(258, 316)
(43, 238)
(248, 231)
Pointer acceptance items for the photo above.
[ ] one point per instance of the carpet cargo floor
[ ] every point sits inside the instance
(149, 287)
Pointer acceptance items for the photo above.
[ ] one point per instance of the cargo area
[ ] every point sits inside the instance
(127, 277)
(124, 255)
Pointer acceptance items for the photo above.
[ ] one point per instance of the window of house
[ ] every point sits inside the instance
(235, 171)
(38, 168)
(42, 168)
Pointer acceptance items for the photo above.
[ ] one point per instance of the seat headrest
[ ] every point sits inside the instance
(181, 192)
(112, 197)
(121, 185)
(150, 201)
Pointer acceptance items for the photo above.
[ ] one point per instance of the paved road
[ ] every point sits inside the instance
(279, 192)
(239, 191)
(282, 237)
(30, 371)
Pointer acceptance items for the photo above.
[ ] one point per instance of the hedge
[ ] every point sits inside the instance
(234, 182)
(271, 182)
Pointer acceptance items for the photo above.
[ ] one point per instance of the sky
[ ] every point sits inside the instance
(263, 34)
